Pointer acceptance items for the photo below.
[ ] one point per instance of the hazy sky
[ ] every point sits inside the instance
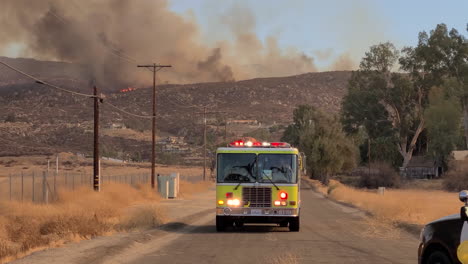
(332, 34)
(325, 29)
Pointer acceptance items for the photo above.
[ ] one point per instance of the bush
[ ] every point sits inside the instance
(457, 178)
(382, 175)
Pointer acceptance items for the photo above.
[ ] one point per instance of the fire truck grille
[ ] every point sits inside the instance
(257, 197)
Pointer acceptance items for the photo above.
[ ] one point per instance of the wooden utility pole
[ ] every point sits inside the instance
(369, 153)
(154, 68)
(96, 184)
(204, 135)
(204, 143)
(225, 128)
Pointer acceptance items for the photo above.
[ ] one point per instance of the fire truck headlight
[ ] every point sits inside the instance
(233, 202)
(220, 202)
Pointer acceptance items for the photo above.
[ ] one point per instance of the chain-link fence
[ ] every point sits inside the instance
(42, 187)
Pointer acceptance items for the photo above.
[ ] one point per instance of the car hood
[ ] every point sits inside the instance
(446, 218)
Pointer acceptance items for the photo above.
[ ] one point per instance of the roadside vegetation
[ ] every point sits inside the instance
(79, 214)
(82, 214)
(400, 104)
(395, 206)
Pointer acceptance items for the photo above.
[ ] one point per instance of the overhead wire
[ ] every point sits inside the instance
(126, 112)
(44, 82)
(71, 92)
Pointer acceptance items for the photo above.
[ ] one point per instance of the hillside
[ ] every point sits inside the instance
(43, 120)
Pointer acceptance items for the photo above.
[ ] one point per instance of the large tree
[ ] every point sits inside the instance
(439, 56)
(386, 104)
(443, 120)
(388, 95)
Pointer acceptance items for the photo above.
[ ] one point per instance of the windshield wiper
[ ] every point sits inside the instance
(237, 186)
(270, 180)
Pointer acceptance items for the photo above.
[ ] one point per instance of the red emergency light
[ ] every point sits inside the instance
(242, 143)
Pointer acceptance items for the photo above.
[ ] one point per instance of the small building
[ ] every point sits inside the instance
(243, 122)
(422, 167)
(460, 155)
(117, 126)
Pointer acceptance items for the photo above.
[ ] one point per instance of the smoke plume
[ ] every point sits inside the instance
(109, 37)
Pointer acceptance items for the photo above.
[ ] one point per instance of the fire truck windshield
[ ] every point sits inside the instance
(277, 168)
(236, 167)
(248, 167)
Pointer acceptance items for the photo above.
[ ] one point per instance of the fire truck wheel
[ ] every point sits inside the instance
(220, 224)
(294, 224)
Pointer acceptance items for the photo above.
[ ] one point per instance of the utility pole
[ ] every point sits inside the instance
(369, 153)
(204, 143)
(154, 68)
(204, 135)
(225, 128)
(96, 183)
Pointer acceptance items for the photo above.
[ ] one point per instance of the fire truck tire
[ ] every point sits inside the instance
(294, 224)
(220, 223)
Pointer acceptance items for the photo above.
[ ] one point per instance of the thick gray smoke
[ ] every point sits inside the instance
(111, 36)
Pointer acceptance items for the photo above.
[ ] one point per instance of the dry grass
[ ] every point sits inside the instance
(80, 214)
(410, 206)
(187, 189)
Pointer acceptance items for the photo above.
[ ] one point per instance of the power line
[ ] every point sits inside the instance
(44, 82)
(71, 92)
(125, 112)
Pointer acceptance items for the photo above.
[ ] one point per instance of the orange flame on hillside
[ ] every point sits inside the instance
(129, 89)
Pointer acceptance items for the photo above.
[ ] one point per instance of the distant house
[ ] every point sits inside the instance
(243, 122)
(117, 126)
(460, 155)
(422, 167)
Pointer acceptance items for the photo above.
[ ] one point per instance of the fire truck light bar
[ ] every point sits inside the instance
(243, 144)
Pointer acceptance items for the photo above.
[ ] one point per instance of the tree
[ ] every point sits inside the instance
(443, 124)
(385, 103)
(321, 138)
(439, 56)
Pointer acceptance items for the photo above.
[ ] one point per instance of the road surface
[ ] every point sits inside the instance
(330, 233)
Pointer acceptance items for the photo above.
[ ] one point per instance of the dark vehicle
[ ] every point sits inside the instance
(445, 241)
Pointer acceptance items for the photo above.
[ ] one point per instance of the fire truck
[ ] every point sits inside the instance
(258, 182)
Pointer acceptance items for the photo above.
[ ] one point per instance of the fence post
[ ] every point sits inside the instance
(55, 184)
(22, 185)
(33, 189)
(10, 186)
(45, 191)
(167, 189)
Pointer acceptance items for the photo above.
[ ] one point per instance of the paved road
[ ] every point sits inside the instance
(330, 233)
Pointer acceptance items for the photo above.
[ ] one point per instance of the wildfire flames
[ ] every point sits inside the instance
(129, 89)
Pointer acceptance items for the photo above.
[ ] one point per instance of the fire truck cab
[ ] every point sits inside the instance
(258, 182)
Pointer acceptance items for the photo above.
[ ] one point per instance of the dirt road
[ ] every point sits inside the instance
(330, 233)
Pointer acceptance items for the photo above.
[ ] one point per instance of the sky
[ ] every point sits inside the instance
(326, 29)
